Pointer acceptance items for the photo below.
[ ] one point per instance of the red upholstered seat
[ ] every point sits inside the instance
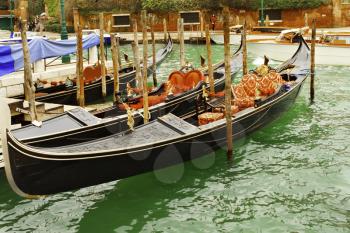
(208, 117)
(92, 73)
(38, 94)
(152, 100)
(179, 82)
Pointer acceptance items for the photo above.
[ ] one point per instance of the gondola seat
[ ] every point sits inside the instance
(250, 84)
(152, 100)
(208, 117)
(241, 98)
(92, 73)
(179, 82)
(39, 94)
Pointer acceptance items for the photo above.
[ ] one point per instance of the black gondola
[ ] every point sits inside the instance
(78, 125)
(63, 94)
(169, 140)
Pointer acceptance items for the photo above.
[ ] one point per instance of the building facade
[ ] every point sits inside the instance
(5, 17)
(334, 14)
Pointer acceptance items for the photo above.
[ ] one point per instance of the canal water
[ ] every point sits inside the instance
(291, 176)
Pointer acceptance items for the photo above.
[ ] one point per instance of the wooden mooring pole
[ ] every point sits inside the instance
(76, 22)
(165, 30)
(228, 82)
(181, 41)
(244, 44)
(137, 55)
(79, 67)
(313, 43)
(29, 88)
(145, 59)
(115, 59)
(202, 22)
(118, 51)
(210, 61)
(102, 56)
(154, 66)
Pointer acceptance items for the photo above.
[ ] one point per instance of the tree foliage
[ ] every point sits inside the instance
(53, 7)
(178, 5)
(36, 7)
(94, 6)
(275, 4)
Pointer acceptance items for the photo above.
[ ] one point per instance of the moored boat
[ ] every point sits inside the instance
(235, 36)
(331, 48)
(169, 140)
(65, 93)
(78, 125)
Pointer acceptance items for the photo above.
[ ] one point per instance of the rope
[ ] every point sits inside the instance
(131, 121)
(149, 115)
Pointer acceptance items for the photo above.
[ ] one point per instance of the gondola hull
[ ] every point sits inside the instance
(34, 175)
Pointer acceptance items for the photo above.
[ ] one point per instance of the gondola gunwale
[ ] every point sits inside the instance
(114, 120)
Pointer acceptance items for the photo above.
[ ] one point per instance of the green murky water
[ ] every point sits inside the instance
(291, 176)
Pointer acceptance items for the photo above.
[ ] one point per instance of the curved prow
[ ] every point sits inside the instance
(301, 58)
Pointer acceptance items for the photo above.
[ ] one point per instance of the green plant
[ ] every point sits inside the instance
(53, 7)
(36, 7)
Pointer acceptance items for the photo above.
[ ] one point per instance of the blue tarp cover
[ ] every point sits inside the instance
(11, 56)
